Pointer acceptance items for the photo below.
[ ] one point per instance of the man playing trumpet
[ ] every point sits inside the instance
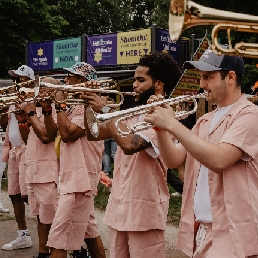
(220, 196)
(138, 204)
(80, 165)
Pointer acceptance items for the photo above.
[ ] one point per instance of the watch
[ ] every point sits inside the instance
(31, 113)
(105, 109)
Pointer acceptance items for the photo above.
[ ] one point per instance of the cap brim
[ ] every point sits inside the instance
(201, 65)
(11, 72)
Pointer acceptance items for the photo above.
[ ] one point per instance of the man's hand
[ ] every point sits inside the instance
(94, 101)
(161, 117)
(21, 116)
(28, 106)
(45, 104)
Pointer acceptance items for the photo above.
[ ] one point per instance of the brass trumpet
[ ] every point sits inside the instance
(184, 14)
(123, 115)
(75, 91)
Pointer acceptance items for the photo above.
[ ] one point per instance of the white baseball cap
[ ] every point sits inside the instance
(23, 70)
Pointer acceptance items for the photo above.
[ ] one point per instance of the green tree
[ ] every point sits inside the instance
(20, 21)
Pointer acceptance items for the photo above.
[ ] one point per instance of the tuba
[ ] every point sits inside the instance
(184, 14)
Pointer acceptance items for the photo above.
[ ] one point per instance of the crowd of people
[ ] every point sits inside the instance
(54, 165)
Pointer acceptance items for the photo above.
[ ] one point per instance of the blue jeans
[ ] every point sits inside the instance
(109, 153)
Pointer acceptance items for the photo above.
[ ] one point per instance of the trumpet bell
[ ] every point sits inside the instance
(184, 14)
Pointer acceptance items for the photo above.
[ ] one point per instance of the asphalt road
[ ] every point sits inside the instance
(8, 232)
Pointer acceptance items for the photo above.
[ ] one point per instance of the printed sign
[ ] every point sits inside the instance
(66, 52)
(165, 44)
(40, 55)
(189, 83)
(133, 44)
(102, 50)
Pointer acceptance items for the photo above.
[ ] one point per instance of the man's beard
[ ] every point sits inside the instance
(144, 96)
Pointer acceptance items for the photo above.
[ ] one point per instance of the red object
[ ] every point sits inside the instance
(157, 128)
(105, 180)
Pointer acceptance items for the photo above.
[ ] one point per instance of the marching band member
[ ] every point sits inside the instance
(138, 204)
(220, 197)
(41, 167)
(80, 165)
(13, 154)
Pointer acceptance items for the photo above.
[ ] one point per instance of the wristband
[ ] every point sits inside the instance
(47, 111)
(60, 107)
(157, 129)
(22, 124)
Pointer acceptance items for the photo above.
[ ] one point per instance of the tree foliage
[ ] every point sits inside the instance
(32, 21)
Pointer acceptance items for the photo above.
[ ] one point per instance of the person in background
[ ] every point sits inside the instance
(137, 208)
(110, 147)
(13, 153)
(219, 215)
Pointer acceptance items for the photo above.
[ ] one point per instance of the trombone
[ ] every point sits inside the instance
(184, 14)
(123, 115)
(75, 92)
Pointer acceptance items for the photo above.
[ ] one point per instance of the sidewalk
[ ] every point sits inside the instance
(9, 229)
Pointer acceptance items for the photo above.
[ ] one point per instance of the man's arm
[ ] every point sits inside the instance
(215, 157)
(4, 121)
(38, 126)
(23, 126)
(69, 131)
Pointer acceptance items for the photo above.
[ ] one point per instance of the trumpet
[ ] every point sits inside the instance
(75, 92)
(184, 14)
(123, 115)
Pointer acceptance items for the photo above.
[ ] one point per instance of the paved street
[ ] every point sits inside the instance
(8, 233)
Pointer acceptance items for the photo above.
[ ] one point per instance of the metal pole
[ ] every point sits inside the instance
(84, 49)
(153, 37)
(193, 40)
(26, 53)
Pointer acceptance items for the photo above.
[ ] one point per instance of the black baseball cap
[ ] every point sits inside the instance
(210, 61)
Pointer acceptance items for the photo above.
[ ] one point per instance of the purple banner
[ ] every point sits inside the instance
(40, 55)
(102, 50)
(165, 44)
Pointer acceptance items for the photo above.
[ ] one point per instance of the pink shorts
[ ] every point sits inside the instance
(43, 199)
(16, 178)
(137, 244)
(71, 221)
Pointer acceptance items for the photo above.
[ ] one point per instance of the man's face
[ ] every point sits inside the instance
(143, 85)
(216, 88)
(72, 79)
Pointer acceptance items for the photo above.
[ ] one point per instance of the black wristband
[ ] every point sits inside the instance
(47, 112)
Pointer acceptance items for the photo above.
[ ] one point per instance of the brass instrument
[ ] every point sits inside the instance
(93, 119)
(184, 14)
(75, 91)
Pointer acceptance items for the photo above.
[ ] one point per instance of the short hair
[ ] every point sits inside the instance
(162, 67)
(224, 73)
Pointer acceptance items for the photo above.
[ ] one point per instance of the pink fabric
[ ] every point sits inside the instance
(233, 193)
(137, 244)
(92, 227)
(80, 160)
(43, 199)
(139, 198)
(70, 222)
(40, 158)
(16, 181)
(16, 171)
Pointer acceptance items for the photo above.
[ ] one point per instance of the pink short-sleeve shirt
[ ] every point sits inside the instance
(139, 198)
(81, 160)
(233, 193)
(41, 159)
